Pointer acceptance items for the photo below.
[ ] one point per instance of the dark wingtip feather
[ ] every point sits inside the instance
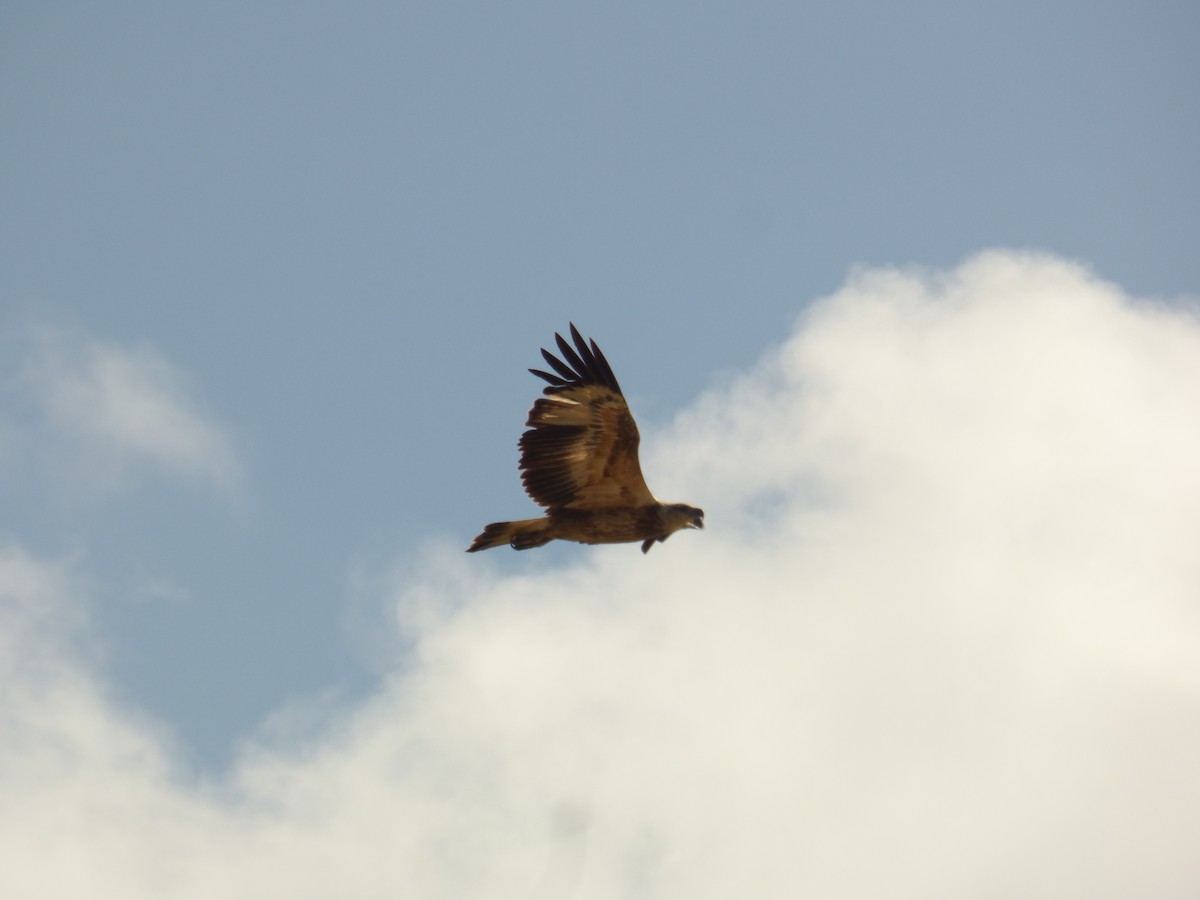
(578, 338)
(573, 359)
(584, 364)
(553, 379)
(558, 365)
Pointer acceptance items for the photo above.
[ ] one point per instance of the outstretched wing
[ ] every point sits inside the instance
(581, 450)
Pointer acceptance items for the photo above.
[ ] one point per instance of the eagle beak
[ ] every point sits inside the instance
(698, 523)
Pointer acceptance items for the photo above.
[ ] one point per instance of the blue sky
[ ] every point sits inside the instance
(271, 275)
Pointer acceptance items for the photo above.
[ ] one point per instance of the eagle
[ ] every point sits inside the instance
(579, 460)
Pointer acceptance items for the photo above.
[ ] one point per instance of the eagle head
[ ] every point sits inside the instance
(680, 515)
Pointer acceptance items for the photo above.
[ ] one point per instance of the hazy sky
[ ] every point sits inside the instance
(903, 295)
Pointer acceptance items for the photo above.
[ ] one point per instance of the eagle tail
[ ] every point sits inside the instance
(520, 535)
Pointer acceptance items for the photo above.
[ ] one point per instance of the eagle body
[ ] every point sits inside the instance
(579, 460)
(599, 526)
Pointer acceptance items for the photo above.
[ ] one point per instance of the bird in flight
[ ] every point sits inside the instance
(579, 459)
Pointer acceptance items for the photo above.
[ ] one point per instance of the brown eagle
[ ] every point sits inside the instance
(579, 459)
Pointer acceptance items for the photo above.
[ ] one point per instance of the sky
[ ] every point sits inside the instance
(904, 296)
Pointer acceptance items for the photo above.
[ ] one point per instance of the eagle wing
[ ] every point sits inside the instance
(581, 449)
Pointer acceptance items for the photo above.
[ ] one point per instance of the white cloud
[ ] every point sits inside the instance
(101, 407)
(941, 639)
